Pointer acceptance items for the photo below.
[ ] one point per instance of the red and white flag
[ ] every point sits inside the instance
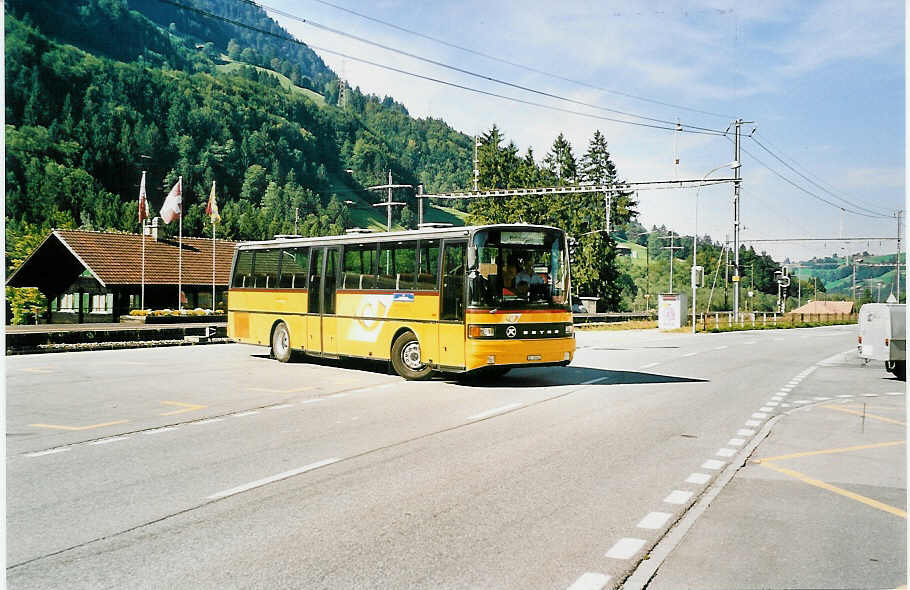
(211, 209)
(144, 212)
(173, 204)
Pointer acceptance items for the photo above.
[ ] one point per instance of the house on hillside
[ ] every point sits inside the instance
(92, 277)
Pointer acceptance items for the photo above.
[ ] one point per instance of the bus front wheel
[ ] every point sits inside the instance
(281, 343)
(406, 358)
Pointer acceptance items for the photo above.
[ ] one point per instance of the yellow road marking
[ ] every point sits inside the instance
(870, 416)
(185, 408)
(846, 493)
(296, 390)
(59, 427)
(831, 451)
(36, 370)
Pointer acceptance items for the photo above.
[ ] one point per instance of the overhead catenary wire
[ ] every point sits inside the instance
(510, 63)
(664, 125)
(807, 191)
(817, 185)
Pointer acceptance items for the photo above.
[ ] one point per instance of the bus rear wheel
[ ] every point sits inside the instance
(281, 343)
(406, 358)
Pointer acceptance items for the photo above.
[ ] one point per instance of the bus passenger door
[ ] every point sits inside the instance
(329, 284)
(452, 303)
(314, 302)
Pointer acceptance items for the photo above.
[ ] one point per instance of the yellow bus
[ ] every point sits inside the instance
(480, 299)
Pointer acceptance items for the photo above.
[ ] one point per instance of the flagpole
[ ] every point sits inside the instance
(180, 251)
(142, 237)
(213, 255)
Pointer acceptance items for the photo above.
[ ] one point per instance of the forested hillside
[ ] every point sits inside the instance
(99, 90)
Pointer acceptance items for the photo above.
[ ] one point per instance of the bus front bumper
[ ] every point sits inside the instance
(519, 353)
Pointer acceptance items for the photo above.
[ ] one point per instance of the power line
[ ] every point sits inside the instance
(669, 125)
(513, 64)
(779, 159)
(807, 191)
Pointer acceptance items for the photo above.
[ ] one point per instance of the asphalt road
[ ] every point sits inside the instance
(216, 467)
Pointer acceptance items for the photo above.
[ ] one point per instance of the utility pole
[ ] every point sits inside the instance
(726, 267)
(476, 164)
(671, 247)
(389, 203)
(736, 182)
(420, 204)
(899, 214)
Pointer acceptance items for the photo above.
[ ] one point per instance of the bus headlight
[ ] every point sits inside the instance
(570, 329)
(480, 331)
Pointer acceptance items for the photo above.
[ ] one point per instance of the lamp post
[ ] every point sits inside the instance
(855, 262)
(735, 166)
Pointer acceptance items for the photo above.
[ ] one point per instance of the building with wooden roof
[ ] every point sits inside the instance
(90, 276)
(824, 308)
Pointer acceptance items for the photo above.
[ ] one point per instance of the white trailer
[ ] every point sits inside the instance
(882, 336)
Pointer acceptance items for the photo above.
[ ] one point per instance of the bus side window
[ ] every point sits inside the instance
(428, 272)
(453, 278)
(359, 266)
(293, 272)
(386, 275)
(243, 270)
(266, 269)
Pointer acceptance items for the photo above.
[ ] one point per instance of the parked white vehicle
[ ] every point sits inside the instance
(882, 336)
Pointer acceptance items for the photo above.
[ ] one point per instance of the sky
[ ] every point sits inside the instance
(823, 82)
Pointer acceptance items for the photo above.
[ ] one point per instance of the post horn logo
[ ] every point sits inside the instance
(511, 331)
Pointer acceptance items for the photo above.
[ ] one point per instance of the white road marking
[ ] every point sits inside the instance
(777, 398)
(785, 405)
(678, 497)
(725, 452)
(772, 404)
(312, 401)
(895, 393)
(821, 399)
(625, 548)
(648, 366)
(783, 392)
(765, 409)
(721, 347)
(736, 442)
(279, 407)
(274, 478)
(48, 452)
(801, 401)
(870, 395)
(654, 520)
(336, 395)
(759, 415)
(249, 413)
(104, 441)
(690, 354)
(209, 421)
(590, 581)
(699, 478)
(494, 411)
(712, 464)
(745, 432)
(157, 430)
(845, 396)
(752, 423)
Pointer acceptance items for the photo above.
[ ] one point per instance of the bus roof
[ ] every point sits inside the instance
(359, 238)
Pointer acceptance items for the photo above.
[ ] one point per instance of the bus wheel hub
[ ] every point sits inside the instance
(410, 354)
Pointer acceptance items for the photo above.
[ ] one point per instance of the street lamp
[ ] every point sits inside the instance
(855, 262)
(733, 165)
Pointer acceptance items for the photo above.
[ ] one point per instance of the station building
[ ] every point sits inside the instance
(94, 277)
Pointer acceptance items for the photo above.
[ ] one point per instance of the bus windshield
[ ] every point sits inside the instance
(521, 268)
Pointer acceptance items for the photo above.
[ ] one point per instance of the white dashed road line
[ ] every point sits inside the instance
(745, 432)
(590, 581)
(654, 520)
(712, 464)
(678, 497)
(698, 478)
(48, 452)
(625, 548)
(104, 441)
(725, 452)
(241, 414)
(493, 412)
(268, 480)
